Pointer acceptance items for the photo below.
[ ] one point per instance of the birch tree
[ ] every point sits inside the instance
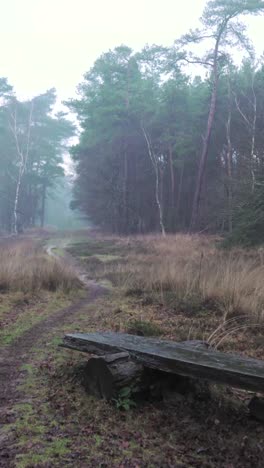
(249, 116)
(22, 140)
(155, 161)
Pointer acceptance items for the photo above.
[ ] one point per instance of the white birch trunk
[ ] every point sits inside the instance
(154, 161)
(22, 158)
(251, 125)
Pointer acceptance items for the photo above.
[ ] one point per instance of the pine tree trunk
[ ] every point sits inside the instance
(252, 152)
(43, 205)
(178, 203)
(229, 164)
(206, 141)
(172, 188)
(124, 223)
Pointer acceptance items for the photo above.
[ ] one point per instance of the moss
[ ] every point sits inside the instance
(108, 258)
(103, 249)
(59, 252)
(91, 247)
(48, 304)
(50, 454)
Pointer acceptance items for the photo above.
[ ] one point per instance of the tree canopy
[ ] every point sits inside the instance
(160, 149)
(126, 92)
(32, 144)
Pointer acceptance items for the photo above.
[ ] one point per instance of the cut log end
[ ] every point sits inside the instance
(105, 376)
(256, 408)
(97, 379)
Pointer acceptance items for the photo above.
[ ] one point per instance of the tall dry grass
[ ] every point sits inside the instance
(193, 267)
(25, 266)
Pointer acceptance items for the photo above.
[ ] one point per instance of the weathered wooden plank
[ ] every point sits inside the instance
(177, 358)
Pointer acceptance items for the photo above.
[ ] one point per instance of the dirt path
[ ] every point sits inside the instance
(12, 357)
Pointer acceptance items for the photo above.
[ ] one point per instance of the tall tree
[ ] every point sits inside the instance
(133, 106)
(220, 26)
(20, 124)
(33, 140)
(6, 147)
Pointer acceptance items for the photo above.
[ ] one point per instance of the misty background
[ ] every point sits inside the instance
(52, 44)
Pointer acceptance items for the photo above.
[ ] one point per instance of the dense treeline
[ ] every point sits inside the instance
(162, 150)
(162, 147)
(32, 141)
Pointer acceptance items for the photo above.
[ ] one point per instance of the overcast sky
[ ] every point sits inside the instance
(51, 43)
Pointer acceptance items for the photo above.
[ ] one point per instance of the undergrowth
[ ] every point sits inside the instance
(190, 272)
(57, 424)
(25, 266)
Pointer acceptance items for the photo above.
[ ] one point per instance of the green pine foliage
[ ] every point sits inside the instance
(115, 183)
(158, 147)
(249, 221)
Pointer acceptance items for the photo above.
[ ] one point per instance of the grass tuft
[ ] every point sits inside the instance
(143, 328)
(24, 266)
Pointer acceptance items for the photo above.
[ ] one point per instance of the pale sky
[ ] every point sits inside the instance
(52, 43)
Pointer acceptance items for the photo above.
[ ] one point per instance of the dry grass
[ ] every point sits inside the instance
(24, 266)
(58, 425)
(194, 267)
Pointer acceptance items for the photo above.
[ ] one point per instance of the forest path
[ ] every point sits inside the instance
(14, 356)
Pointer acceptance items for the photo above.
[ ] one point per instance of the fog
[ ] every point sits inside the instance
(58, 212)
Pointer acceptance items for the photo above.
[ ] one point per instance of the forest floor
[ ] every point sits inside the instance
(144, 286)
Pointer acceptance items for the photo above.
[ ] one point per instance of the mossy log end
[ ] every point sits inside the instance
(104, 376)
(256, 408)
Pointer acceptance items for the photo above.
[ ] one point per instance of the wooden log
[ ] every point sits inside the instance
(176, 358)
(104, 376)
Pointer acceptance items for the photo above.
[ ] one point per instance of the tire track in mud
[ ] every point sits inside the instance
(13, 356)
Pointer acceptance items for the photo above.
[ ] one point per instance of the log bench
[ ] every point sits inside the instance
(121, 360)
